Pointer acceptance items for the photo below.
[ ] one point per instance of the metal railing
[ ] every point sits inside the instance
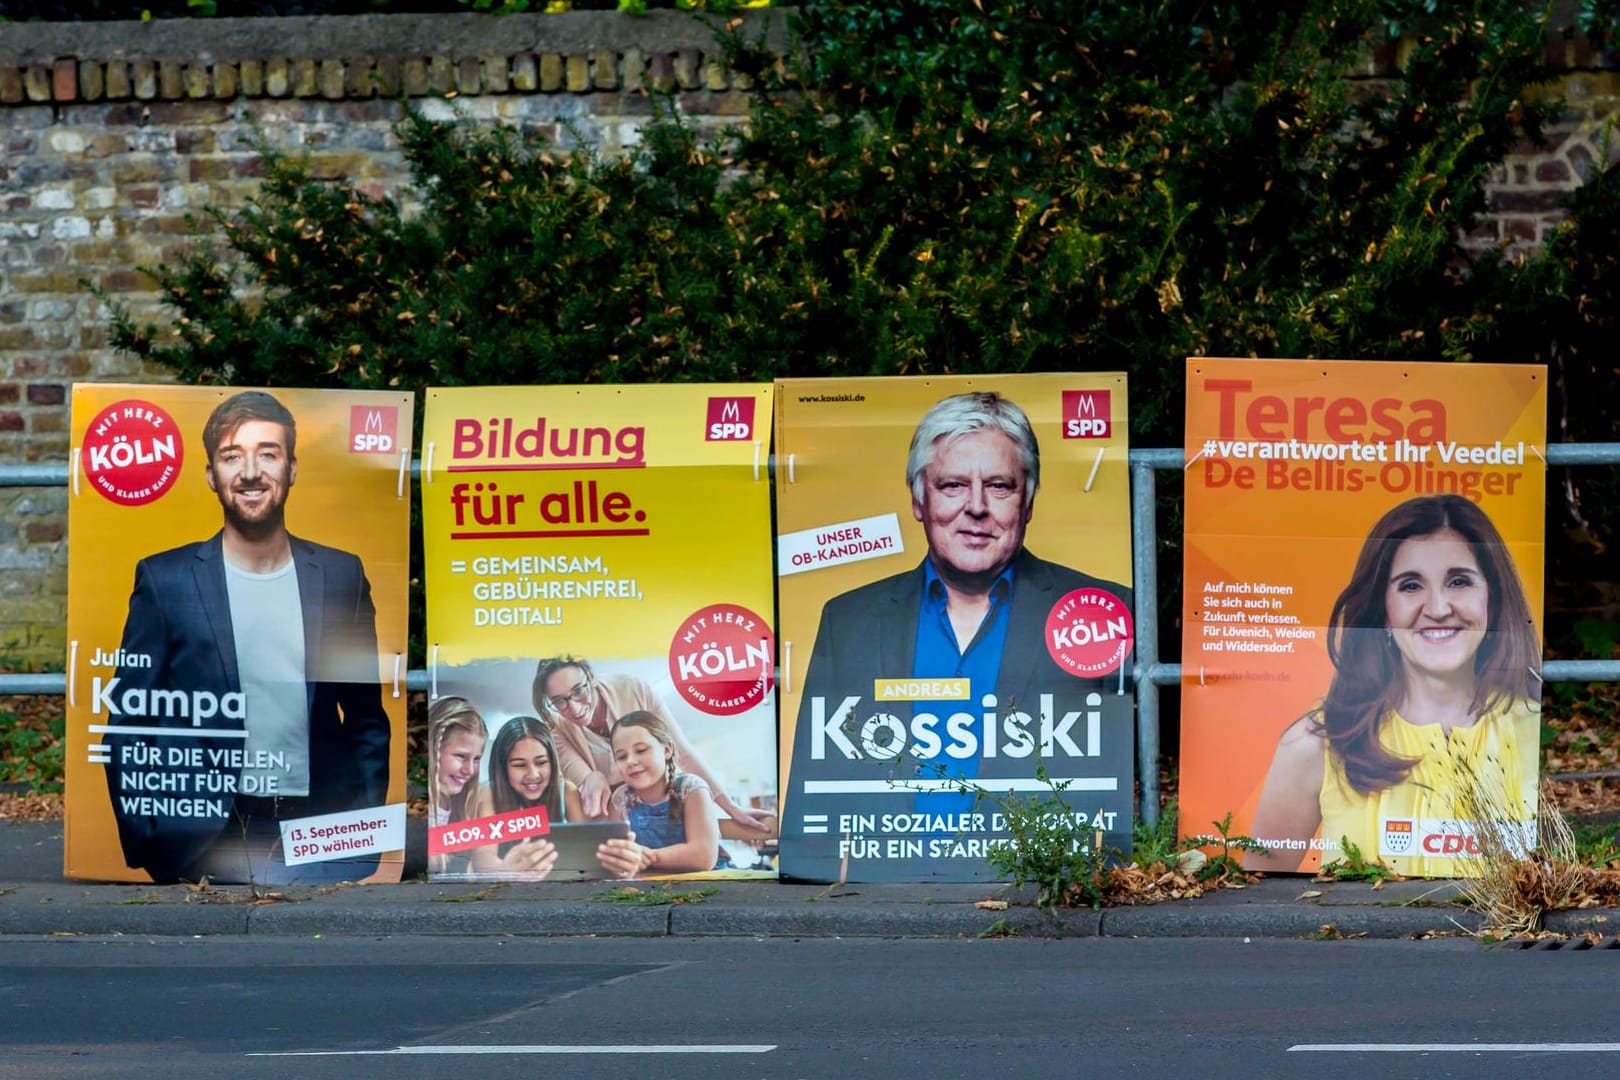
(1149, 673)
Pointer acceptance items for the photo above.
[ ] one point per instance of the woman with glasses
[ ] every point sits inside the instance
(582, 709)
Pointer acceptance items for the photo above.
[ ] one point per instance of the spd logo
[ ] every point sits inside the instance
(373, 429)
(731, 419)
(1086, 414)
(1397, 836)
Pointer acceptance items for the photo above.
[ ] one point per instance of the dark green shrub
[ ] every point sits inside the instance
(1049, 185)
(521, 265)
(940, 186)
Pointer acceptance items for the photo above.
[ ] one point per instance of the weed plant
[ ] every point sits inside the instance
(1352, 865)
(1597, 846)
(32, 750)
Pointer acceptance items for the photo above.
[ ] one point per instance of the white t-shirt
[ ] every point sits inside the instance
(267, 621)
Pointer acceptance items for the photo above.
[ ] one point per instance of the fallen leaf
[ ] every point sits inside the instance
(992, 905)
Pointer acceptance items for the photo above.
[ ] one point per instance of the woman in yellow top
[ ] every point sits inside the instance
(1436, 683)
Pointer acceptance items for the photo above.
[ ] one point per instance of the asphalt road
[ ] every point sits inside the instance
(494, 1007)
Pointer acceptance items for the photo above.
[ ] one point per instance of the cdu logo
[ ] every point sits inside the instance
(373, 429)
(731, 419)
(1086, 414)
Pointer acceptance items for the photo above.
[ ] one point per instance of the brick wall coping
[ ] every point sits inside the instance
(377, 37)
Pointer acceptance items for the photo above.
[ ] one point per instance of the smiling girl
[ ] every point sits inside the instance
(1436, 681)
(523, 775)
(456, 737)
(673, 823)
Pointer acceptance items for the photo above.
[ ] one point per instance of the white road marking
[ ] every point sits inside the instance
(1459, 1048)
(697, 1048)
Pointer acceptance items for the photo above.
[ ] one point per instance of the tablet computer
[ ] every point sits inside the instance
(576, 844)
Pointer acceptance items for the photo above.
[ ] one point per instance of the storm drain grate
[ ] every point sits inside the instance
(1554, 945)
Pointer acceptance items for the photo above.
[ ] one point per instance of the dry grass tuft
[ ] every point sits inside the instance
(1130, 884)
(1521, 878)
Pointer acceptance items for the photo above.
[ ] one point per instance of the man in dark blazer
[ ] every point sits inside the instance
(975, 610)
(275, 638)
(869, 633)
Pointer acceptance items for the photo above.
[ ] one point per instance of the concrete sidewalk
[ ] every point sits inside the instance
(34, 899)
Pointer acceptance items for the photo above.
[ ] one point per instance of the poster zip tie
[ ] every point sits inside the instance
(1534, 674)
(398, 659)
(1536, 450)
(73, 663)
(1200, 674)
(427, 464)
(404, 470)
(787, 667)
(433, 670)
(1193, 461)
(1095, 465)
(790, 469)
(73, 467)
(1122, 677)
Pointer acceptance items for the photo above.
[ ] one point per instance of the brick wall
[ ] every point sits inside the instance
(1524, 192)
(111, 135)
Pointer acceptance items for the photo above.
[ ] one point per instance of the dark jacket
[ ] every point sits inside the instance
(870, 633)
(180, 617)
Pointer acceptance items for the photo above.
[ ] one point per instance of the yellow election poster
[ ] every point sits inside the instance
(954, 563)
(236, 634)
(602, 700)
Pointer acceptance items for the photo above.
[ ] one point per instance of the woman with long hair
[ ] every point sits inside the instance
(1436, 686)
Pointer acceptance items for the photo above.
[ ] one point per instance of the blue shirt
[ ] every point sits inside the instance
(938, 656)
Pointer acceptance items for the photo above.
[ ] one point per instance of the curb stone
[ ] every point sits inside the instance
(880, 920)
(35, 900)
(482, 917)
(1280, 921)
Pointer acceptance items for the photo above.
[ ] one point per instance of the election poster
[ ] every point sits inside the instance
(954, 580)
(237, 580)
(600, 641)
(1361, 646)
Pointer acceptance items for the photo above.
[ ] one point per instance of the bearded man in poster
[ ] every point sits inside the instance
(288, 628)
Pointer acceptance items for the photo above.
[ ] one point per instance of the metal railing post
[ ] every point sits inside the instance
(1145, 583)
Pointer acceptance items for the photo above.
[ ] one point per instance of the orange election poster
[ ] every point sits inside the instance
(236, 634)
(954, 574)
(1362, 602)
(600, 644)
